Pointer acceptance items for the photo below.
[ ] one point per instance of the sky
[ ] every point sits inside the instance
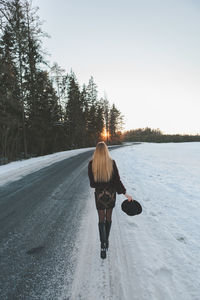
(144, 56)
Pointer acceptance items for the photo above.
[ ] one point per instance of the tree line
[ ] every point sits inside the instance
(156, 136)
(42, 108)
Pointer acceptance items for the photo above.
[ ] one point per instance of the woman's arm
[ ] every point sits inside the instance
(120, 188)
(90, 175)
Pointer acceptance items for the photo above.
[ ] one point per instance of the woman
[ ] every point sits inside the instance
(104, 177)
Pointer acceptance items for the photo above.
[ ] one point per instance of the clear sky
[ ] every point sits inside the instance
(144, 54)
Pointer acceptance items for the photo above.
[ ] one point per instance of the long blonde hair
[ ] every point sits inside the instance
(102, 164)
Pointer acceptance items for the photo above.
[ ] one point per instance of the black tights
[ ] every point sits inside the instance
(105, 214)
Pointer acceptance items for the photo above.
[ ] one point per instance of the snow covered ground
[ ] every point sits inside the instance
(152, 256)
(155, 255)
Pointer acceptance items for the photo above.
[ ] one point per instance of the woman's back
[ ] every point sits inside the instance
(114, 181)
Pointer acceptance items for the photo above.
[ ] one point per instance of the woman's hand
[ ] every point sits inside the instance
(128, 197)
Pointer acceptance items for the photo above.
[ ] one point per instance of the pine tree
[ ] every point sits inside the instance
(115, 121)
(22, 25)
(99, 120)
(59, 79)
(91, 92)
(74, 117)
(92, 104)
(85, 110)
(44, 135)
(12, 14)
(10, 108)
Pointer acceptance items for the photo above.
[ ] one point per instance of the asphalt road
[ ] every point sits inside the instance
(39, 220)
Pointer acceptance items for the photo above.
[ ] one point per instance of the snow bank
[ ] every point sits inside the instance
(15, 170)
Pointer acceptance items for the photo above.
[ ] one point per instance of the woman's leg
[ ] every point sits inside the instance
(108, 224)
(109, 214)
(101, 214)
(102, 232)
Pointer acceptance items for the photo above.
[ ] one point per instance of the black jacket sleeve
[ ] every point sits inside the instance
(120, 188)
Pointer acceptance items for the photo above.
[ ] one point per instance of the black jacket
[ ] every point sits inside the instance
(114, 182)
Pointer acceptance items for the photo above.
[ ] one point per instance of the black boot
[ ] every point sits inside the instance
(102, 234)
(108, 225)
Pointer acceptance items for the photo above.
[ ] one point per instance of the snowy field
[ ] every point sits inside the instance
(162, 246)
(152, 256)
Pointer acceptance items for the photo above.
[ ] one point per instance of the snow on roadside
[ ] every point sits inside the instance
(156, 255)
(15, 170)
(164, 241)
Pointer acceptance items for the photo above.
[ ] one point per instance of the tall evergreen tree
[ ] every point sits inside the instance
(92, 103)
(59, 80)
(12, 14)
(43, 136)
(10, 107)
(115, 122)
(85, 110)
(23, 27)
(74, 118)
(91, 92)
(99, 120)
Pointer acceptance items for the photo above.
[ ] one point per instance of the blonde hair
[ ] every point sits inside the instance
(102, 164)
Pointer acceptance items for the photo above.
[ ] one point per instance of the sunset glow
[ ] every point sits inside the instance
(105, 134)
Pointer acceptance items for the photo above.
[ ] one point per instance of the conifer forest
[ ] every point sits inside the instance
(43, 108)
